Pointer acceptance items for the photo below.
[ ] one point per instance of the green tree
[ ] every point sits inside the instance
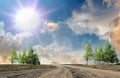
(100, 54)
(95, 56)
(13, 57)
(19, 58)
(36, 59)
(110, 55)
(32, 57)
(107, 52)
(113, 56)
(23, 57)
(88, 55)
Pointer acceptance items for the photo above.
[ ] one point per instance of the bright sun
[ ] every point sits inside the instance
(27, 19)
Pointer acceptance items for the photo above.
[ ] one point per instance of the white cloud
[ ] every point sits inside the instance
(58, 54)
(52, 26)
(92, 20)
(115, 3)
(89, 5)
(9, 41)
(21, 36)
(48, 26)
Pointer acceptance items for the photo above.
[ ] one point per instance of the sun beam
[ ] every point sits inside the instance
(27, 19)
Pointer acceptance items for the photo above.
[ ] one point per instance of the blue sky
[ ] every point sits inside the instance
(65, 27)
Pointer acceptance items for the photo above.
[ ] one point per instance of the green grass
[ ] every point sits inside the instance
(10, 67)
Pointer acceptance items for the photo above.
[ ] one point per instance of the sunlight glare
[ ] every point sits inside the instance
(27, 19)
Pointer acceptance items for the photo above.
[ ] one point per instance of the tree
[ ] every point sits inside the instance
(95, 56)
(32, 57)
(107, 52)
(88, 55)
(110, 55)
(23, 57)
(13, 57)
(19, 58)
(98, 55)
(36, 59)
(113, 57)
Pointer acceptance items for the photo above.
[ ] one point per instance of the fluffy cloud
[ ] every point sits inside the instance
(9, 41)
(57, 54)
(21, 36)
(49, 27)
(52, 26)
(115, 3)
(92, 20)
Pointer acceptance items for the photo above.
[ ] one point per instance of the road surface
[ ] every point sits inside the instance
(79, 72)
(63, 71)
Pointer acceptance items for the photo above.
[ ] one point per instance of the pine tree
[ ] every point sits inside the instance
(100, 54)
(113, 57)
(107, 52)
(13, 57)
(88, 55)
(36, 59)
(110, 55)
(23, 57)
(30, 55)
(95, 56)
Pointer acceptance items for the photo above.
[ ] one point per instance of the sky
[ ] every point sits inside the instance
(57, 29)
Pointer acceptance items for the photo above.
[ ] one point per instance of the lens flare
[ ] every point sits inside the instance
(27, 19)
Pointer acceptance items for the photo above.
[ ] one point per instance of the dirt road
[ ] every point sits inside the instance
(79, 72)
(60, 72)
(64, 71)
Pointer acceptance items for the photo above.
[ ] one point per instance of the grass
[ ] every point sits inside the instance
(9, 67)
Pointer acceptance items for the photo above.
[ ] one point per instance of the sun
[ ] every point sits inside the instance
(27, 19)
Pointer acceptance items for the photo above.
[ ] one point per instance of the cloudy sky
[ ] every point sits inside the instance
(57, 29)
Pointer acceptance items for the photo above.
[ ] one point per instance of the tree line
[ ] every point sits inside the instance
(30, 57)
(101, 55)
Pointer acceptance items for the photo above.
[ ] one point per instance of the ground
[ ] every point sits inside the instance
(56, 71)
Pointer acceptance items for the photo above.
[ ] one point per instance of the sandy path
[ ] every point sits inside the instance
(60, 72)
(82, 72)
(63, 71)
(79, 72)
